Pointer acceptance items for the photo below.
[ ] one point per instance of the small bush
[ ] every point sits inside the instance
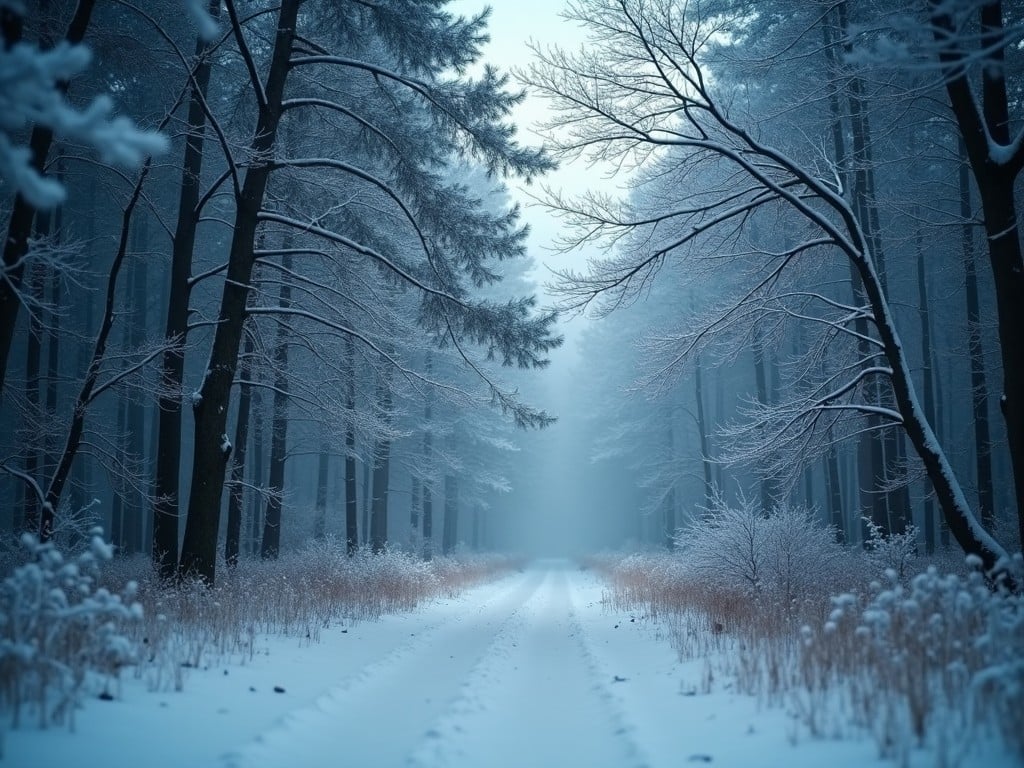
(59, 629)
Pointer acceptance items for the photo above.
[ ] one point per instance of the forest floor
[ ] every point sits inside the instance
(527, 670)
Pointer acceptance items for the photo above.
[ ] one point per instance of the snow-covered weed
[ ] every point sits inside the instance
(939, 653)
(925, 657)
(890, 552)
(60, 632)
(68, 627)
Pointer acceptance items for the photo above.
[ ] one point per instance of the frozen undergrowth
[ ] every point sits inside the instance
(916, 657)
(70, 626)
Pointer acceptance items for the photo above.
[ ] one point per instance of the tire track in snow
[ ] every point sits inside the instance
(377, 716)
(536, 698)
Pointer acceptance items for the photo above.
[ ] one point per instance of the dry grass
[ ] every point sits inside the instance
(929, 660)
(71, 625)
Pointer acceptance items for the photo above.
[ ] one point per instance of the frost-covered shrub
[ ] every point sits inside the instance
(786, 555)
(939, 653)
(890, 552)
(59, 630)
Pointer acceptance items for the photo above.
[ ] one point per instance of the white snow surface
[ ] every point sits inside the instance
(528, 671)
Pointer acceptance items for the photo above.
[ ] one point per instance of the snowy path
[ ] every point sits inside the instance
(528, 671)
(508, 684)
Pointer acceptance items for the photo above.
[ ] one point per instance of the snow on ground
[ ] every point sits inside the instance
(528, 671)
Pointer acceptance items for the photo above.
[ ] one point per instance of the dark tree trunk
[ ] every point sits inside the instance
(118, 485)
(236, 486)
(320, 514)
(19, 225)
(995, 178)
(135, 412)
(271, 546)
(450, 531)
(33, 364)
(256, 523)
(81, 484)
(414, 509)
(428, 460)
(167, 485)
(199, 548)
(870, 457)
(367, 496)
(769, 491)
(670, 497)
(381, 473)
(351, 503)
(702, 428)
(834, 489)
(53, 343)
(928, 390)
(979, 384)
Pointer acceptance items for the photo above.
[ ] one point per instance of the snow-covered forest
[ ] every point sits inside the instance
(584, 383)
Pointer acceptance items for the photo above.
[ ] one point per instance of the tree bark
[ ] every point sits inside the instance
(928, 380)
(271, 546)
(702, 428)
(979, 384)
(351, 503)
(381, 473)
(995, 177)
(256, 523)
(320, 512)
(870, 459)
(199, 548)
(167, 484)
(450, 531)
(33, 363)
(135, 412)
(428, 459)
(236, 486)
(670, 497)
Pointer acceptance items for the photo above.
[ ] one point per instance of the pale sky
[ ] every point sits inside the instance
(512, 24)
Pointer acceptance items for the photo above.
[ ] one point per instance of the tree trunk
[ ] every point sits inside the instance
(414, 509)
(702, 428)
(428, 460)
(199, 548)
(870, 459)
(167, 485)
(34, 416)
(351, 508)
(928, 390)
(256, 523)
(769, 491)
(670, 497)
(979, 385)
(995, 179)
(236, 486)
(381, 473)
(320, 514)
(19, 225)
(834, 489)
(135, 413)
(271, 546)
(450, 531)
